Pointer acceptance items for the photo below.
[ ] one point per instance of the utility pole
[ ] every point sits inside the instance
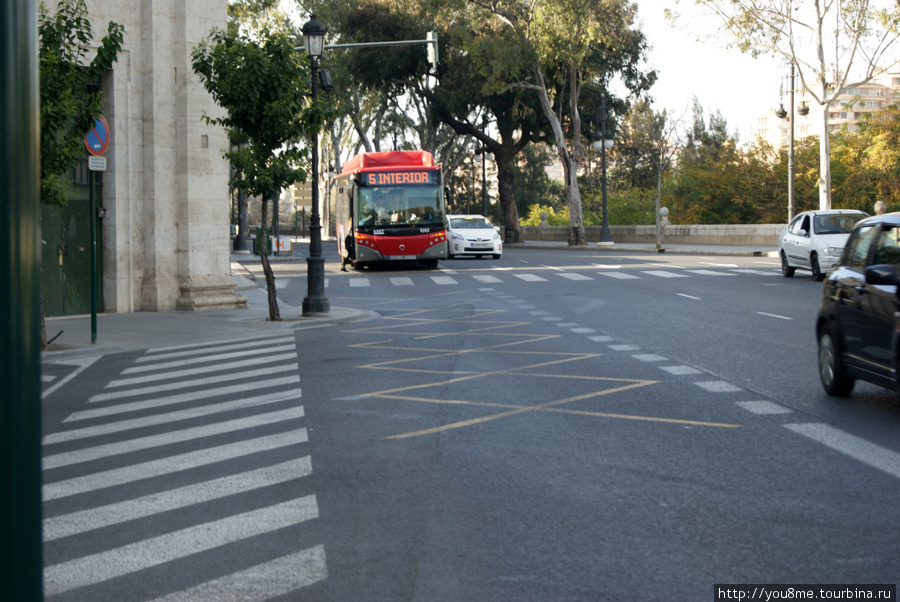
(21, 552)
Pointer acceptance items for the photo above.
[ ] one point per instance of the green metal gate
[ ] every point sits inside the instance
(66, 250)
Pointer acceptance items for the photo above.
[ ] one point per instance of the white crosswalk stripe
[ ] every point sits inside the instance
(665, 274)
(505, 272)
(133, 439)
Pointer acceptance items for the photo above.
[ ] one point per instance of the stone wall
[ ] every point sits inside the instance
(739, 235)
(166, 241)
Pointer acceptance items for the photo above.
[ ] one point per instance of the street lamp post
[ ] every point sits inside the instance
(602, 142)
(781, 113)
(315, 302)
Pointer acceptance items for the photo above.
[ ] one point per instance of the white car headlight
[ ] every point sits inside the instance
(832, 251)
(456, 236)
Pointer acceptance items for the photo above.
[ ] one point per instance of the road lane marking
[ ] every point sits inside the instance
(443, 280)
(130, 558)
(174, 499)
(762, 313)
(268, 580)
(227, 367)
(763, 407)
(664, 274)
(873, 455)
(169, 417)
(711, 273)
(151, 404)
(530, 277)
(151, 357)
(82, 363)
(401, 281)
(620, 275)
(209, 358)
(165, 466)
(650, 357)
(197, 382)
(680, 370)
(718, 386)
(180, 436)
(686, 296)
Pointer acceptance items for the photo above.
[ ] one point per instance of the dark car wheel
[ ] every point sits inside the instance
(786, 270)
(817, 274)
(834, 381)
(496, 255)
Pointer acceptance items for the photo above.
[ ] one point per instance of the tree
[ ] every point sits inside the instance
(654, 139)
(70, 89)
(803, 34)
(575, 43)
(70, 94)
(263, 88)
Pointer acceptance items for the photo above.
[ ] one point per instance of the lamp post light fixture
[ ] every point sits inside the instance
(315, 302)
(781, 114)
(603, 141)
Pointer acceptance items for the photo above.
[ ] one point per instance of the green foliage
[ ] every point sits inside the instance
(70, 90)
(263, 87)
(532, 185)
(555, 217)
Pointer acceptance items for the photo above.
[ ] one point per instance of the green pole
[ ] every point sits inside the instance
(92, 182)
(20, 332)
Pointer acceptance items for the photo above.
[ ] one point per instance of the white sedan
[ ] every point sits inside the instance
(814, 240)
(472, 235)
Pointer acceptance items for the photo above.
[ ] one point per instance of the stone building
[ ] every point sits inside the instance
(165, 234)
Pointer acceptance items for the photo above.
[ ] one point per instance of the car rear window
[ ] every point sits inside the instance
(857, 251)
(888, 248)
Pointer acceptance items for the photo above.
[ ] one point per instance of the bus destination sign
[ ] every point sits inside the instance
(393, 178)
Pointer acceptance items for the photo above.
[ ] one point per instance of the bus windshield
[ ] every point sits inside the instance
(399, 206)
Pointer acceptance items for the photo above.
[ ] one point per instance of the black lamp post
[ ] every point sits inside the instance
(602, 141)
(315, 302)
(781, 114)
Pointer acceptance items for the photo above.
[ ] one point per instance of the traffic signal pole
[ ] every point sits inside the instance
(20, 336)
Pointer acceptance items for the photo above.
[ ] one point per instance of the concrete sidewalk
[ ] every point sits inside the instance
(71, 335)
(142, 330)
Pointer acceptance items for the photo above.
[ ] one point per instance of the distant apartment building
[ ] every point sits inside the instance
(844, 111)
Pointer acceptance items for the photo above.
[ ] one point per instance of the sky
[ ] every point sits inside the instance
(740, 87)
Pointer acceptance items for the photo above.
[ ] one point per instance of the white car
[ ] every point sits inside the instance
(472, 235)
(814, 240)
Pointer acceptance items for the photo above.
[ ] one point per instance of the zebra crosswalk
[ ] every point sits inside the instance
(190, 454)
(453, 277)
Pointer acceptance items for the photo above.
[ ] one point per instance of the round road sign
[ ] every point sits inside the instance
(97, 140)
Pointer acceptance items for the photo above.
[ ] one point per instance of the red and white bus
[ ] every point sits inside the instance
(389, 206)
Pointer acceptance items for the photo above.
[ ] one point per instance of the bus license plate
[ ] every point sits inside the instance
(399, 257)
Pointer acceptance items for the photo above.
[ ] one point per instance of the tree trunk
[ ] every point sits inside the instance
(570, 163)
(506, 190)
(573, 198)
(263, 247)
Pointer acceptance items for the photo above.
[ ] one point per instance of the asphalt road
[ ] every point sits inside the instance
(551, 425)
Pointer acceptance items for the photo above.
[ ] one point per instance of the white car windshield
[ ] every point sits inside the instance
(470, 223)
(840, 223)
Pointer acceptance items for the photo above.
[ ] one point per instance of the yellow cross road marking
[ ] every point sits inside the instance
(476, 325)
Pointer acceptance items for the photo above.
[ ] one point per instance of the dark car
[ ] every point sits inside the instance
(859, 316)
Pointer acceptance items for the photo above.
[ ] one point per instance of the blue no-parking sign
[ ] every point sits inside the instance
(97, 140)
